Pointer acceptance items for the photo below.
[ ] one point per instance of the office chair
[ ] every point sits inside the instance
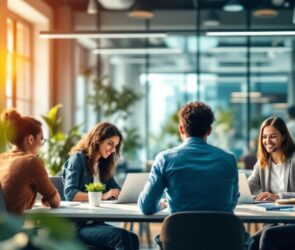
(202, 230)
(58, 183)
(3, 209)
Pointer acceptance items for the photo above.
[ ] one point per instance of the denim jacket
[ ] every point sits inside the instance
(75, 176)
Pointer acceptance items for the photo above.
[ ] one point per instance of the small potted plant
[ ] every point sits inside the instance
(94, 193)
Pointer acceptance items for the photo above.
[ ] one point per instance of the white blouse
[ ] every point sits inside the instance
(96, 176)
(277, 184)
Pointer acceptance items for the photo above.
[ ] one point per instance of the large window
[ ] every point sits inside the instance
(244, 79)
(19, 65)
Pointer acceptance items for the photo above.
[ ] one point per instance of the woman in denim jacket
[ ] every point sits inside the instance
(93, 159)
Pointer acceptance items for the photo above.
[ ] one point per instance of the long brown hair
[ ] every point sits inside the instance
(89, 145)
(288, 146)
(19, 126)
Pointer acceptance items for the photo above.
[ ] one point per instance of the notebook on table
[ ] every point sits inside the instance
(133, 185)
(273, 207)
(245, 193)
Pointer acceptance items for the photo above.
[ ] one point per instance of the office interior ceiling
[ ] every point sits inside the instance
(177, 4)
(221, 59)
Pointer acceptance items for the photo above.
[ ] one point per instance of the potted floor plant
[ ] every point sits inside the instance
(94, 193)
(59, 143)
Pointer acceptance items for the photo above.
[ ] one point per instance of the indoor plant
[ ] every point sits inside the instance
(59, 143)
(43, 231)
(114, 104)
(95, 192)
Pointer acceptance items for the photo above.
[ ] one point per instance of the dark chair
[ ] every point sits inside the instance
(204, 230)
(58, 183)
(3, 209)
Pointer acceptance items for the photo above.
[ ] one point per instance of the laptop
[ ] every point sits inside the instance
(133, 185)
(245, 194)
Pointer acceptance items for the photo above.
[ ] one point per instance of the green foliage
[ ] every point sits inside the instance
(116, 103)
(95, 187)
(131, 141)
(3, 139)
(169, 135)
(171, 125)
(59, 143)
(225, 118)
(109, 101)
(46, 232)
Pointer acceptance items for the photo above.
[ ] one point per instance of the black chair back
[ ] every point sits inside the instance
(204, 230)
(58, 183)
(3, 209)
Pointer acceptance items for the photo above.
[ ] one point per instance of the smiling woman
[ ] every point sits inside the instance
(276, 162)
(274, 177)
(93, 160)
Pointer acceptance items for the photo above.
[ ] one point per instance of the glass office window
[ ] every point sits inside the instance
(221, 81)
(271, 67)
(19, 65)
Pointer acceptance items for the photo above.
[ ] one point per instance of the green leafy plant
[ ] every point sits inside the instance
(95, 187)
(131, 142)
(59, 143)
(169, 134)
(46, 232)
(3, 140)
(225, 118)
(109, 101)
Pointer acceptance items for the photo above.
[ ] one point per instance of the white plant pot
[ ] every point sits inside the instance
(94, 198)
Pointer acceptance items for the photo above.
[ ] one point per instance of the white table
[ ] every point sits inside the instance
(131, 213)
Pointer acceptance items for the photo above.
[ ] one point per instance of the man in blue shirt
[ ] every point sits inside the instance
(194, 175)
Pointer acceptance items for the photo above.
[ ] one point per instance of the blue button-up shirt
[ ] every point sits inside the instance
(194, 176)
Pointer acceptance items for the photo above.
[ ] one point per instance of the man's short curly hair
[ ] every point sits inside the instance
(196, 118)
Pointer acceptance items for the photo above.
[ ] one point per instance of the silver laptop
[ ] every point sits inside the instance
(245, 194)
(133, 185)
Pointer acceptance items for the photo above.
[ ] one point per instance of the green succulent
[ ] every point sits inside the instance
(95, 187)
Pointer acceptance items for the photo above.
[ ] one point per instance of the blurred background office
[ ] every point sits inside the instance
(137, 68)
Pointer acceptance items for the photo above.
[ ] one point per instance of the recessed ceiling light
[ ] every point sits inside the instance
(233, 6)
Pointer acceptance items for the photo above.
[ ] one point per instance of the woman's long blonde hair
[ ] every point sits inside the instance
(288, 146)
(89, 145)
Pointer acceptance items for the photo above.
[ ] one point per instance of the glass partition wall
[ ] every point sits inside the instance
(244, 79)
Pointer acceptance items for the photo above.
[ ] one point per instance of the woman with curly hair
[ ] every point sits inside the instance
(93, 159)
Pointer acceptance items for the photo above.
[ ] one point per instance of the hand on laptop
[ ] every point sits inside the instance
(267, 196)
(163, 203)
(111, 194)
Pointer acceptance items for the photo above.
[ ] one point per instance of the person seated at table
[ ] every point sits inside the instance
(22, 172)
(195, 175)
(192, 172)
(273, 176)
(93, 159)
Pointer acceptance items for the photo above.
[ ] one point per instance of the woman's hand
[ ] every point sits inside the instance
(113, 193)
(267, 196)
(44, 202)
(163, 203)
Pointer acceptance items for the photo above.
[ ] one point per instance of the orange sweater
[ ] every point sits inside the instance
(22, 176)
